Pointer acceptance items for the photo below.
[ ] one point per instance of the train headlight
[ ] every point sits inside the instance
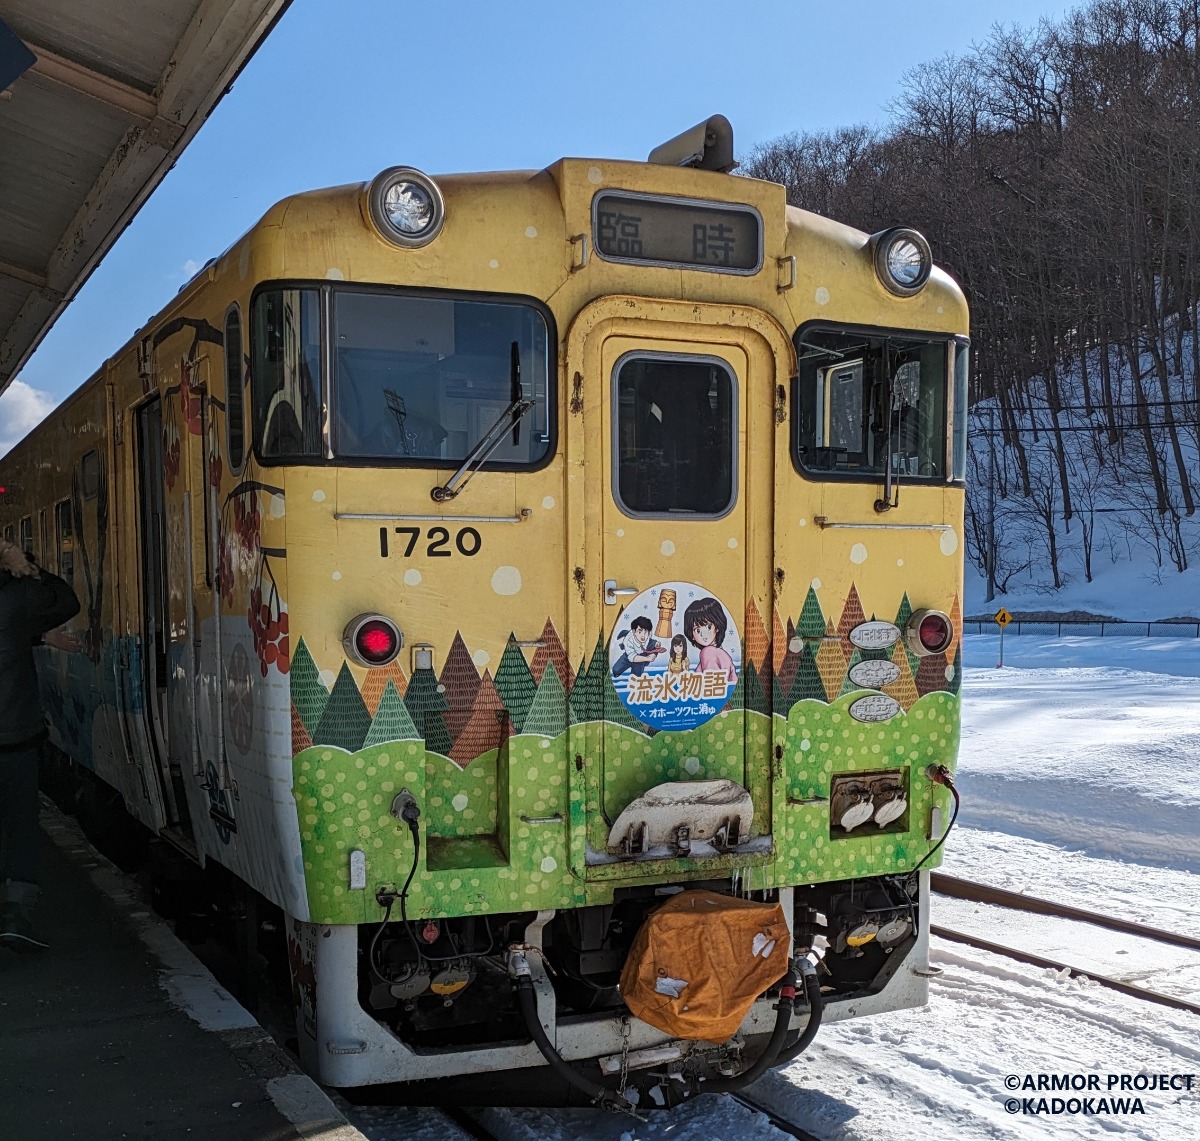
(406, 207)
(903, 260)
(372, 640)
(928, 632)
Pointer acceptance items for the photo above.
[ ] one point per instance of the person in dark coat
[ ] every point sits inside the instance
(33, 603)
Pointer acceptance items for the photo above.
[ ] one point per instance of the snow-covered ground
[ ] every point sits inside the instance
(1080, 776)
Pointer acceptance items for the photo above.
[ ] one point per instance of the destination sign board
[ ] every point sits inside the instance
(640, 228)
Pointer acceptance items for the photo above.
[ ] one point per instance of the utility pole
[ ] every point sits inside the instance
(991, 553)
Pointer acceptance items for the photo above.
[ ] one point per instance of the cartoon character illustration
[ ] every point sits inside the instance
(705, 624)
(639, 649)
(678, 662)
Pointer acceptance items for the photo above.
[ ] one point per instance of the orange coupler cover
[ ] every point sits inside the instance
(699, 962)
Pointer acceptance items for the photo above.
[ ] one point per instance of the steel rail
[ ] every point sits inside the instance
(1041, 961)
(780, 1123)
(982, 893)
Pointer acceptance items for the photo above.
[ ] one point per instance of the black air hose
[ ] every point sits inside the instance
(605, 1098)
(816, 1006)
(765, 1060)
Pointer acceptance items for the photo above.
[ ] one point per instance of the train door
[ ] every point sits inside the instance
(678, 524)
(161, 732)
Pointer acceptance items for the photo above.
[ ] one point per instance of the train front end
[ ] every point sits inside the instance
(621, 565)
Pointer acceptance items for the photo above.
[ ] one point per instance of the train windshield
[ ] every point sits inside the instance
(420, 378)
(867, 401)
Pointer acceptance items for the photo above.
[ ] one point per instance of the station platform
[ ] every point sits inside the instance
(118, 1031)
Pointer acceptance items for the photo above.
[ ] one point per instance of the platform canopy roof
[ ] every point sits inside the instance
(102, 105)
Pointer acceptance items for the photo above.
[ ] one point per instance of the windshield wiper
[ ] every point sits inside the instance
(479, 455)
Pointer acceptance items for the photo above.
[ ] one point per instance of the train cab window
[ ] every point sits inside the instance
(867, 402)
(27, 534)
(286, 373)
(421, 379)
(675, 433)
(64, 540)
(235, 408)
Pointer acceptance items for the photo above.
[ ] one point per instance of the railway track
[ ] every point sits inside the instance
(780, 1123)
(982, 893)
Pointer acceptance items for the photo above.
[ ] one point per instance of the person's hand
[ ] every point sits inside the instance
(62, 639)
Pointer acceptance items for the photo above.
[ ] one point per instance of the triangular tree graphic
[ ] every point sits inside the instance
(515, 683)
(423, 697)
(460, 684)
(791, 659)
(392, 721)
(811, 626)
(807, 684)
(903, 689)
(486, 728)
(779, 641)
(831, 663)
(902, 617)
(345, 721)
(552, 652)
(437, 736)
(755, 646)
(587, 694)
(308, 694)
(852, 615)
(931, 674)
(300, 738)
(547, 715)
(753, 697)
(377, 681)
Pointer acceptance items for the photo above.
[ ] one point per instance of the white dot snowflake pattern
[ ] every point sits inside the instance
(858, 554)
(948, 542)
(667, 548)
(412, 577)
(506, 581)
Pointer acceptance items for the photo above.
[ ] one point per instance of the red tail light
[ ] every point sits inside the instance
(928, 632)
(372, 640)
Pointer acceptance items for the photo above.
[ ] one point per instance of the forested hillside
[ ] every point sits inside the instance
(1056, 173)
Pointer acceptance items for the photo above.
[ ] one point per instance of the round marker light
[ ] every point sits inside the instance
(406, 207)
(903, 261)
(928, 632)
(372, 640)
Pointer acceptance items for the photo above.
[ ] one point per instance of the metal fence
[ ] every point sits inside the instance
(1091, 629)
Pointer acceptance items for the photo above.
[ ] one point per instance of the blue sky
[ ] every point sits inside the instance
(344, 88)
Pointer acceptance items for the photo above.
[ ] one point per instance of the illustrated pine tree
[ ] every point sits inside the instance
(345, 721)
(552, 652)
(486, 729)
(460, 684)
(308, 694)
(515, 683)
(547, 715)
(392, 721)
(424, 697)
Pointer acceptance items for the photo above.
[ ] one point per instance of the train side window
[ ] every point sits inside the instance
(64, 540)
(235, 406)
(9, 533)
(675, 433)
(286, 373)
(866, 402)
(27, 534)
(90, 474)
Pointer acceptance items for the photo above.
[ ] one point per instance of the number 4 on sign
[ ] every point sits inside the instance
(1002, 618)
